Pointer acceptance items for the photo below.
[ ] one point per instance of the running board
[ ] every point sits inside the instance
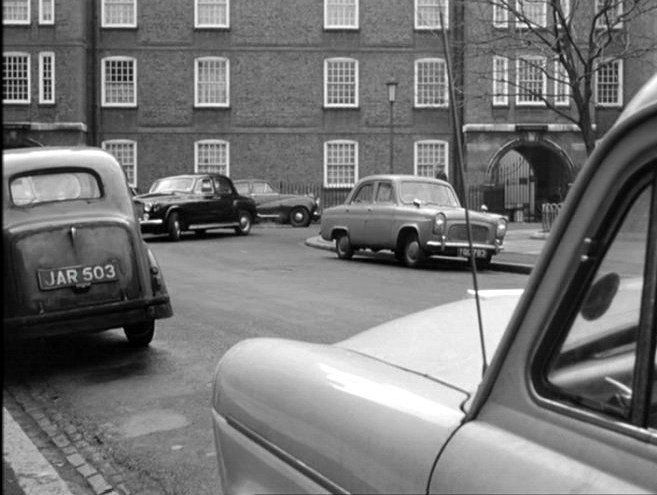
(207, 226)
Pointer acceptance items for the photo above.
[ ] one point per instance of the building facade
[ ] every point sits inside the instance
(294, 91)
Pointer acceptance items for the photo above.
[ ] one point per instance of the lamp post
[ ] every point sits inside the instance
(392, 90)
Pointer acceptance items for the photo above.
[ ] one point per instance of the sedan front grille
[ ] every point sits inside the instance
(480, 233)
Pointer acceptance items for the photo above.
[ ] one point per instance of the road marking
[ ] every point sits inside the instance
(34, 473)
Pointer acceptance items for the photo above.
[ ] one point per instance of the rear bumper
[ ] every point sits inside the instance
(92, 319)
(452, 248)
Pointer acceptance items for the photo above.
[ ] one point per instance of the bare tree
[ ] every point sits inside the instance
(573, 39)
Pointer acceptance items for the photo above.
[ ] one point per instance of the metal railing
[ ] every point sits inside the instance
(327, 196)
(549, 213)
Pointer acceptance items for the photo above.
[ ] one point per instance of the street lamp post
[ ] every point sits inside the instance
(392, 89)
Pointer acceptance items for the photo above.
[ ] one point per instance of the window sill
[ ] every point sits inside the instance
(211, 107)
(120, 27)
(336, 107)
(212, 28)
(118, 105)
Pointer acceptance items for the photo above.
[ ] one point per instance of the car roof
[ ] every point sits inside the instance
(398, 177)
(52, 157)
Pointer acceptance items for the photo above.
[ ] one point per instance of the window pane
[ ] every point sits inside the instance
(595, 364)
(212, 158)
(608, 83)
(341, 13)
(341, 82)
(431, 158)
(67, 186)
(427, 14)
(500, 80)
(15, 78)
(212, 82)
(340, 164)
(531, 80)
(46, 78)
(124, 152)
(364, 194)
(15, 11)
(46, 11)
(119, 81)
(119, 12)
(431, 83)
(534, 12)
(212, 12)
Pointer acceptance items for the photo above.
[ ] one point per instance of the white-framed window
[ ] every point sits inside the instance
(531, 81)
(534, 13)
(119, 13)
(16, 12)
(212, 156)
(430, 83)
(609, 84)
(340, 14)
(427, 14)
(500, 81)
(561, 85)
(212, 14)
(125, 152)
(47, 78)
(46, 11)
(500, 15)
(15, 77)
(430, 157)
(341, 83)
(119, 82)
(211, 82)
(608, 13)
(340, 163)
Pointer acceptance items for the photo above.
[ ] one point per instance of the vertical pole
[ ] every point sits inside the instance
(392, 137)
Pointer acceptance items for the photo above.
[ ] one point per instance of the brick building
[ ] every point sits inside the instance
(288, 90)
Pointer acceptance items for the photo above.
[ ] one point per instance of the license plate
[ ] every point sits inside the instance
(478, 253)
(77, 276)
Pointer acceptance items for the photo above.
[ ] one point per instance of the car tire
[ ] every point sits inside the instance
(343, 247)
(245, 222)
(413, 255)
(299, 217)
(173, 227)
(140, 334)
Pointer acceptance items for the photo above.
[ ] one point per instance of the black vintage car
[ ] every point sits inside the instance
(74, 259)
(296, 209)
(196, 202)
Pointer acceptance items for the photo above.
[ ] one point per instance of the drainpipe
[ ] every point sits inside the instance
(92, 61)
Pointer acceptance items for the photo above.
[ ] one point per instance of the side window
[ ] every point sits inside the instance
(224, 186)
(364, 194)
(262, 188)
(384, 193)
(594, 367)
(204, 186)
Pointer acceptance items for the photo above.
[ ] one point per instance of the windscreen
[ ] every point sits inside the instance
(428, 193)
(56, 186)
(173, 184)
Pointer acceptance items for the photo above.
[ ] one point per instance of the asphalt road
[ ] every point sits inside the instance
(148, 411)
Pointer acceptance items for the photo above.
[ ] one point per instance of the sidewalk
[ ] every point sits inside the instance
(522, 245)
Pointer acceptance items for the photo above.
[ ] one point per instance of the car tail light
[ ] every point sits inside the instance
(439, 224)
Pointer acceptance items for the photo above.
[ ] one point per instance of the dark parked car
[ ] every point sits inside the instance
(567, 404)
(413, 216)
(196, 202)
(74, 259)
(295, 209)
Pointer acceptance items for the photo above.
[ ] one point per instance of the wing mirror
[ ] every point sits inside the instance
(600, 296)
(417, 202)
(484, 208)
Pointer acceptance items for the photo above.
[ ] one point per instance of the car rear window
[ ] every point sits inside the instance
(55, 186)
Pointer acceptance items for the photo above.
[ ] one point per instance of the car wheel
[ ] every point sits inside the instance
(245, 222)
(413, 254)
(299, 217)
(343, 246)
(173, 227)
(483, 263)
(140, 334)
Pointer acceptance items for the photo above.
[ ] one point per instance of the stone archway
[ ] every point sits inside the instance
(527, 172)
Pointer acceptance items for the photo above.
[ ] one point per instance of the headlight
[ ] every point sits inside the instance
(500, 232)
(147, 207)
(439, 224)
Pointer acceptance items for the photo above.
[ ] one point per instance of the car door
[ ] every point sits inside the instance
(357, 214)
(200, 207)
(223, 204)
(263, 194)
(380, 222)
(570, 402)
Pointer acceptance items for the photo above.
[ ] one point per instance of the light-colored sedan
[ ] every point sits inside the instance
(413, 216)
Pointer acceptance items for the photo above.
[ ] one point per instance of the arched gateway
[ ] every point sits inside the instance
(525, 173)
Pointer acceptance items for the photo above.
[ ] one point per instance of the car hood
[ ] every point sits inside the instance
(143, 198)
(442, 342)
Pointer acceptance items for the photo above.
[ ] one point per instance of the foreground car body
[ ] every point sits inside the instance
(568, 403)
(413, 216)
(196, 202)
(295, 209)
(74, 259)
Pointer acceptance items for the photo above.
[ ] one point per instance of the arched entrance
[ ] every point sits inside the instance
(524, 174)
